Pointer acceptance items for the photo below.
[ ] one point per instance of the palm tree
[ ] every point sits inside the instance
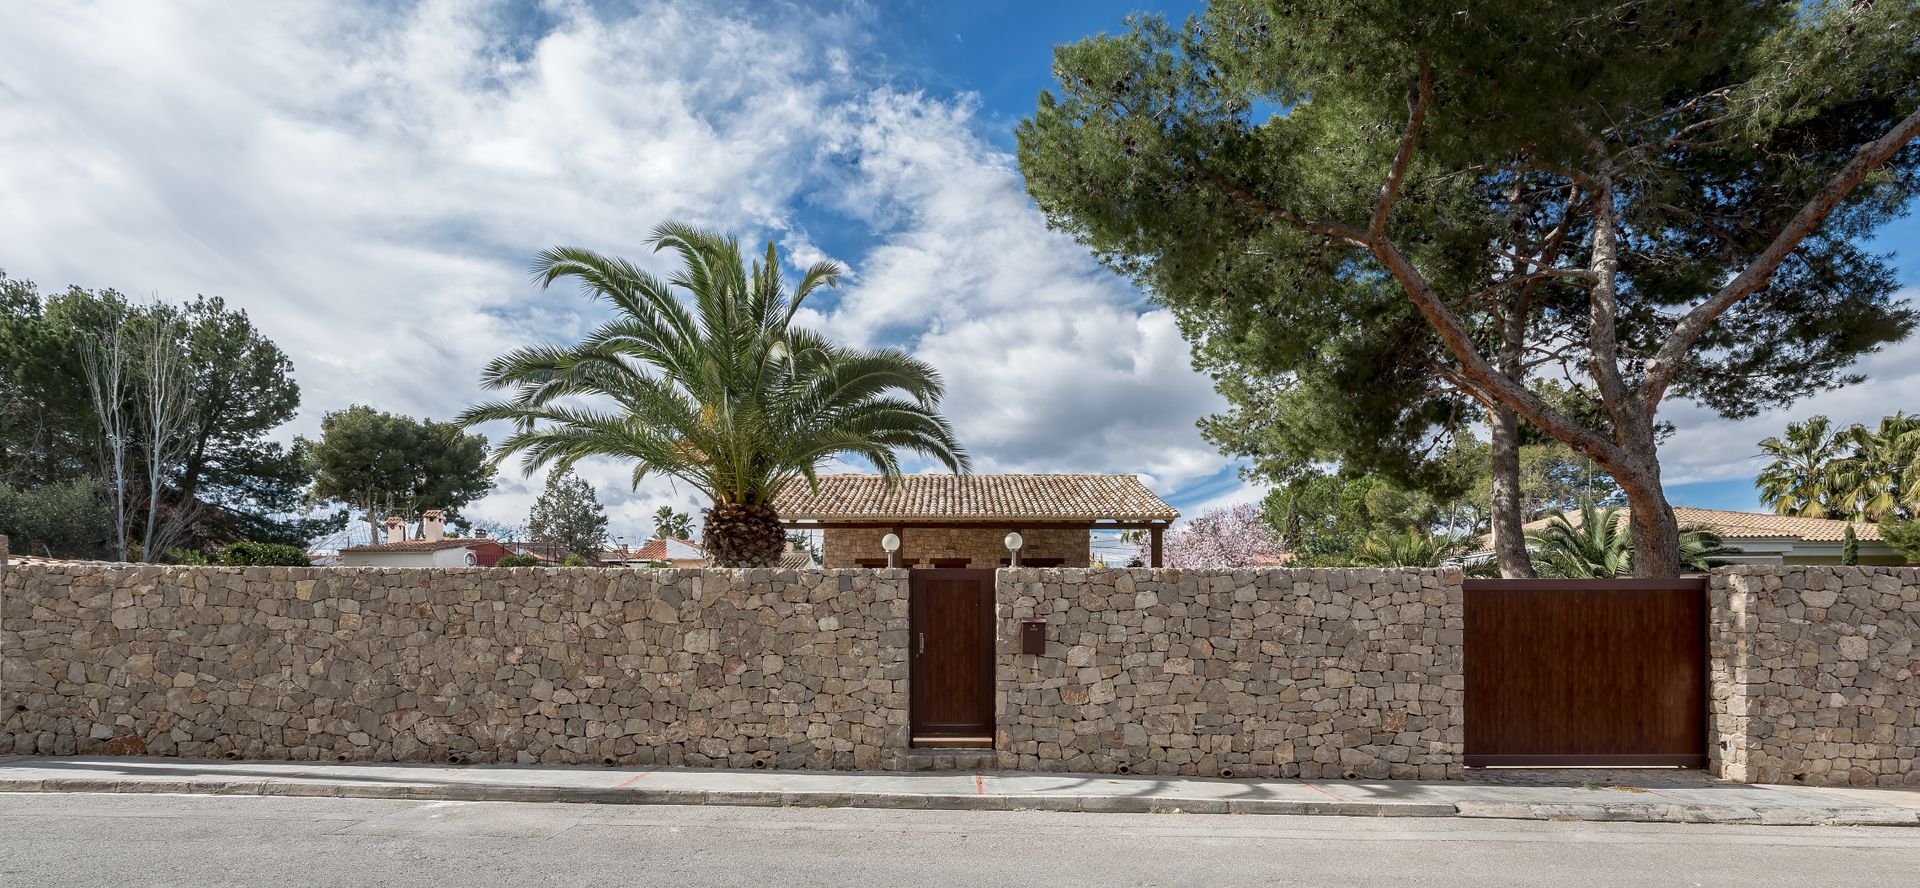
(721, 391)
(1882, 476)
(671, 525)
(1799, 480)
(1412, 548)
(1599, 545)
(1702, 550)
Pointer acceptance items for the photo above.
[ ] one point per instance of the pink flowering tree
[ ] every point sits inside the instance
(1236, 537)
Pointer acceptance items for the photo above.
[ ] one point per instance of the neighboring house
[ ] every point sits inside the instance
(961, 520)
(1764, 538)
(669, 553)
(433, 549)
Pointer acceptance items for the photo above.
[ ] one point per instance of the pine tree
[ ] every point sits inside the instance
(569, 513)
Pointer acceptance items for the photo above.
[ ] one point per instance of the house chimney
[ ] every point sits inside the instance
(396, 529)
(479, 533)
(433, 525)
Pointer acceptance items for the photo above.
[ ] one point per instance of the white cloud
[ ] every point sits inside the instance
(370, 181)
(1705, 447)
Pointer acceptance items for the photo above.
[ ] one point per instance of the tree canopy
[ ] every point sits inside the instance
(568, 512)
(221, 478)
(721, 390)
(1860, 472)
(1386, 217)
(379, 462)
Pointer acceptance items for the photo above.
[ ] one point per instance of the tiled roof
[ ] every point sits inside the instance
(659, 550)
(1754, 525)
(422, 545)
(670, 550)
(974, 497)
(801, 560)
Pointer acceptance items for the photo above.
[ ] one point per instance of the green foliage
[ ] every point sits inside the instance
(378, 462)
(573, 559)
(1904, 536)
(671, 525)
(1849, 546)
(191, 557)
(1859, 473)
(720, 390)
(568, 512)
(249, 553)
(1235, 167)
(67, 519)
(1325, 518)
(517, 561)
(239, 388)
(1595, 543)
(1410, 548)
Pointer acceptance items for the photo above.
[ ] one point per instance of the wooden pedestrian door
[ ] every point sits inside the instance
(1586, 672)
(950, 652)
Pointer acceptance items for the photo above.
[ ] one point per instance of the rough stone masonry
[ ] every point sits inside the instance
(1815, 675)
(1294, 673)
(1242, 673)
(749, 668)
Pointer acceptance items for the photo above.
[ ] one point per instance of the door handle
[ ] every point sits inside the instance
(923, 644)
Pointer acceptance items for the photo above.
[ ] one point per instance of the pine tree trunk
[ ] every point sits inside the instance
(1509, 541)
(1656, 533)
(743, 536)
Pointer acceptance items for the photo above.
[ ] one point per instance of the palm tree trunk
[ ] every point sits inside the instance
(749, 535)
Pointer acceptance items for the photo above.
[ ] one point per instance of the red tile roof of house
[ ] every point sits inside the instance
(1753, 525)
(974, 497)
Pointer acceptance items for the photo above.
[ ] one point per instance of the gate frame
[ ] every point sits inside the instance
(1700, 582)
(989, 657)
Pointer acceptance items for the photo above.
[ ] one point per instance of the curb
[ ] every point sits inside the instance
(1622, 813)
(763, 799)
(1683, 813)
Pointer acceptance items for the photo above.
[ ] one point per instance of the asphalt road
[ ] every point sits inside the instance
(68, 839)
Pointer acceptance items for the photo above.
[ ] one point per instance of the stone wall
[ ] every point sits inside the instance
(1815, 675)
(747, 668)
(1290, 673)
(979, 547)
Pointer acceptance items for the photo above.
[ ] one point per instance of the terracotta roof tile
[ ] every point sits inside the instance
(798, 561)
(974, 497)
(1754, 525)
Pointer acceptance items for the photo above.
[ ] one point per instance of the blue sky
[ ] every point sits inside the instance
(369, 181)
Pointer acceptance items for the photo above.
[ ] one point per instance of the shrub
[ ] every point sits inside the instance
(518, 561)
(575, 560)
(193, 557)
(253, 554)
(65, 520)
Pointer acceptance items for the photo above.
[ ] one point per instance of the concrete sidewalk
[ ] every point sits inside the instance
(1569, 794)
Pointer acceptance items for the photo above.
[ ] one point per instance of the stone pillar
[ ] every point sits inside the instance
(1732, 615)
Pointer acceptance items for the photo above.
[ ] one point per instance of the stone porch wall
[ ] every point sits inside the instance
(1287, 673)
(982, 547)
(1815, 675)
(749, 668)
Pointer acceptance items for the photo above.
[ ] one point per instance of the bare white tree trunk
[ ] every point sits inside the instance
(104, 361)
(165, 408)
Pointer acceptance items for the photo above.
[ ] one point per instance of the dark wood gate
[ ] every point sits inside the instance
(1586, 672)
(951, 647)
